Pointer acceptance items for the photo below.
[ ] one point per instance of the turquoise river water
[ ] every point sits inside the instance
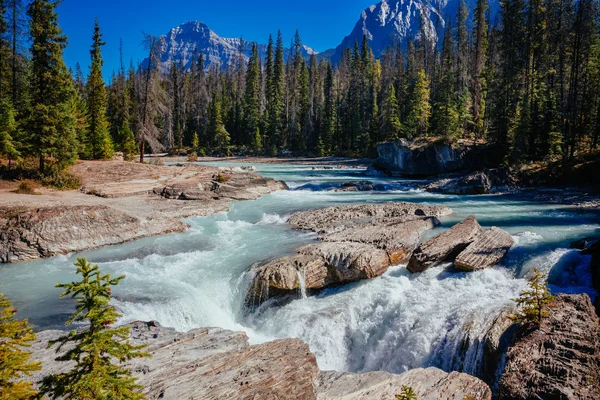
(395, 322)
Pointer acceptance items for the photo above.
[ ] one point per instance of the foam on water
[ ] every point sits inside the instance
(395, 322)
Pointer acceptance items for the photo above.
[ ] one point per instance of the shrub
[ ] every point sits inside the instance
(95, 375)
(61, 179)
(532, 302)
(27, 186)
(15, 336)
(192, 157)
(407, 393)
(221, 178)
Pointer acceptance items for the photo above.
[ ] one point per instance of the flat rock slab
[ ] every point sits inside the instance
(559, 360)
(428, 384)
(444, 246)
(327, 220)
(209, 363)
(487, 250)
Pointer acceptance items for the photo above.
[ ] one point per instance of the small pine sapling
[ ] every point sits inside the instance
(407, 393)
(15, 337)
(97, 349)
(534, 300)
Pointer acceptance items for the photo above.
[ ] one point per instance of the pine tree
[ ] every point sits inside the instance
(252, 101)
(51, 123)
(407, 393)
(100, 142)
(95, 376)
(216, 128)
(481, 45)
(392, 125)
(8, 131)
(417, 123)
(4, 51)
(533, 301)
(15, 337)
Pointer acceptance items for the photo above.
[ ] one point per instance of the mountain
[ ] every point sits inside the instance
(392, 20)
(384, 23)
(180, 43)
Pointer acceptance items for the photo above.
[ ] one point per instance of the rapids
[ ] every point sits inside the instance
(395, 322)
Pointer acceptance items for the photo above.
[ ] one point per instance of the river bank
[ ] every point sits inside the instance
(118, 202)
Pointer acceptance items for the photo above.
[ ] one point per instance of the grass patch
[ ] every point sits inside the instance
(61, 180)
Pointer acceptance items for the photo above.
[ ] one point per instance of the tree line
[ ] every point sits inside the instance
(528, 81)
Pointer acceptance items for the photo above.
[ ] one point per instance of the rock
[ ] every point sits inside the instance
(427, 157)
(445, 246)
(319, 265)
(329, 219)
(487, 250)
(397, 236)
(356, 186)
(358, 242)
(594, 250)
(559, 360)
(208, 363)
(476, 183)
(45, 232)
(583, 244)
(428, 384)
(496, 342)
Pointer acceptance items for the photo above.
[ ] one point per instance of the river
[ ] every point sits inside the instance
(396, 322)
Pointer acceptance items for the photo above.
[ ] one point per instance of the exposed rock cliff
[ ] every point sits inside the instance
(427, 158)
(561, 359)
(215, 364)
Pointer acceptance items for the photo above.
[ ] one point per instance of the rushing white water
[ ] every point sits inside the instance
(395, 322)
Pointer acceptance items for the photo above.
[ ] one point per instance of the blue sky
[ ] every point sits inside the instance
(322, 24)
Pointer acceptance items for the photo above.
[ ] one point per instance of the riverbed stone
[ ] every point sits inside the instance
(445, 246)
(487, 250)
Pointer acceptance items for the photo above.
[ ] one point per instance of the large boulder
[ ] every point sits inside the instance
(208, 363)
(560, 360)
(431, 157)
(487, 250)
(398, 237)
(357, 242)
(428, 384)
(444, 246)
(326, 220)
(475, 183)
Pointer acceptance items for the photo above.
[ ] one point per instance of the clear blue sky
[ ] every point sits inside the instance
(322, 24)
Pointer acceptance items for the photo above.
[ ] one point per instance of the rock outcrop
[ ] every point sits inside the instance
(487, 250)
(208, 363)
(357, 242)
(118, 202)
(326, 220)
(444, 246)
(428, 384)
(427, 158)
(27, 234)
(560, 360)
(215, 364)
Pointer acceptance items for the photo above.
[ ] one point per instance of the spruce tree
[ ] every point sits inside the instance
(51, 121)
(4, 51)
(417, 123)
(392, 125)
(15, 337)
(100, 142)
(277, 105)
(95, 348)
(534, 300)
(481, 46)
(8, 131)
(216, 128)
(252, 101)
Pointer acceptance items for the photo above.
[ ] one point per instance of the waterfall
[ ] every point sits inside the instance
(302, 282)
